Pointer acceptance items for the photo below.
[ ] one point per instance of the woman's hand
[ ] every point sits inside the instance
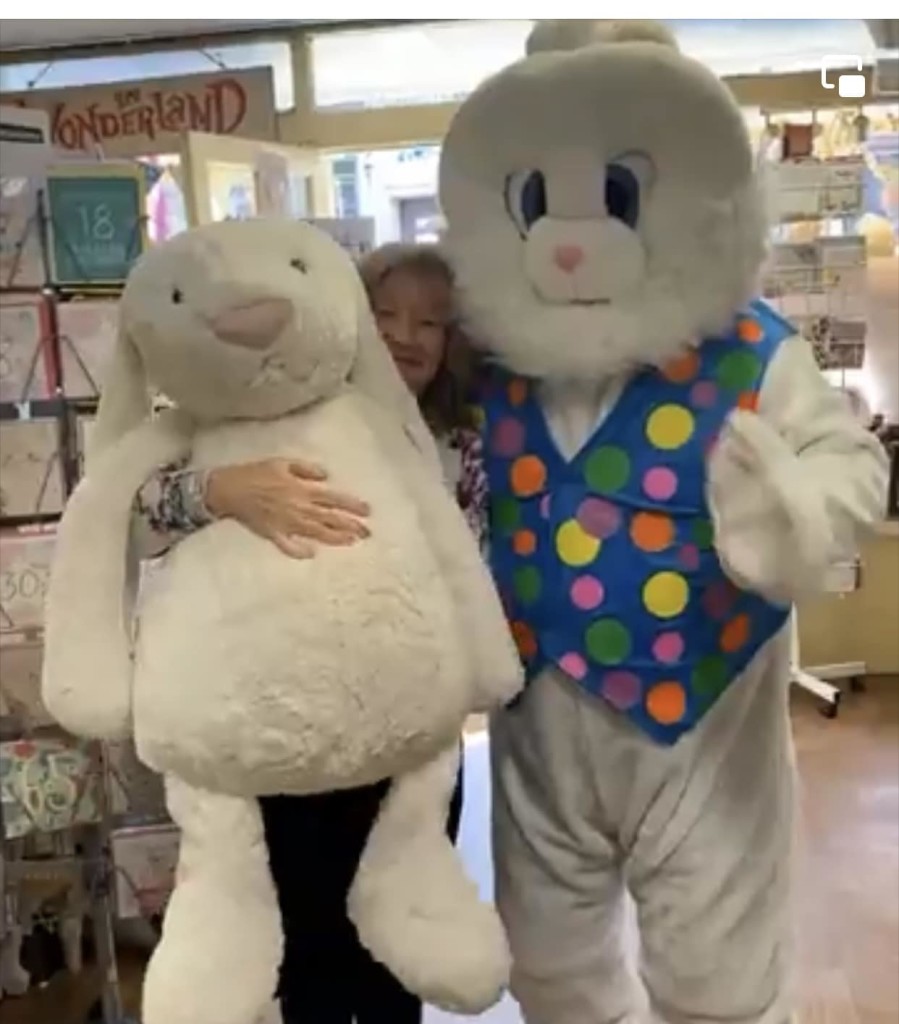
(287, 502)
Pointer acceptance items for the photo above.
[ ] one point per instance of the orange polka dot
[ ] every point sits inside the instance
(524, 639)
(683, 368)
(528, 476)
(524, 542)
(735, 634)
(750, 330)
(667, 703)
(652, 531)
(748, 400)
(518, 391)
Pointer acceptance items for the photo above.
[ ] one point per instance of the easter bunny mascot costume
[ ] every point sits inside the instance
(245, 673)
(668, 472)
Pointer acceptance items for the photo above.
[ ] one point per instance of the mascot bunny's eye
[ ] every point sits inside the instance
(526, 198)
(622, 194)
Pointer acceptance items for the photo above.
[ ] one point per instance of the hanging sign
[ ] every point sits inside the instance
(131, 119)
(97, 223)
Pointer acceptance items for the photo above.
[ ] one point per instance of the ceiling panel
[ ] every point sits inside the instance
(18, 34)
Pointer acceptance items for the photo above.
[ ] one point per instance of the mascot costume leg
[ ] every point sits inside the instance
(668, 472)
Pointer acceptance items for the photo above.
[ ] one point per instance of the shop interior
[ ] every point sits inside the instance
(341, 124)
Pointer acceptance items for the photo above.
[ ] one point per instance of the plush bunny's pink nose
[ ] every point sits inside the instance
(255, 325)
(568, 257)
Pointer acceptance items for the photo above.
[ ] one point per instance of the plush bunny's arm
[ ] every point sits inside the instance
(87, 653)
(791, 486)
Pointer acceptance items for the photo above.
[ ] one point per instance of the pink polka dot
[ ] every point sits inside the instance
(598, 518)
(573, 664)
(704, 394)
(689, 557)
(660, 483)
(587, 593)
(621, 689)
(668, 648)
(508, 438)
(719, 599)
(544, 506)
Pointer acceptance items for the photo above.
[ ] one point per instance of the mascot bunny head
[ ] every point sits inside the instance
(602, 210)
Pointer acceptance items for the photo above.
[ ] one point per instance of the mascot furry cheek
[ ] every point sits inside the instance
(244, 673)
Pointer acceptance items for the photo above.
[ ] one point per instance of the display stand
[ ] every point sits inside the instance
(88, 237)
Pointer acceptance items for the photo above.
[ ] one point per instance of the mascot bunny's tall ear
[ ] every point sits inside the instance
(375, 374)
(125, 401)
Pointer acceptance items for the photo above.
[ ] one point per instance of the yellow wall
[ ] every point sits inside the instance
(863, 626)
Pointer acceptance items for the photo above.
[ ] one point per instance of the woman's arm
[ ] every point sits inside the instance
(170, 506)
(284, 501)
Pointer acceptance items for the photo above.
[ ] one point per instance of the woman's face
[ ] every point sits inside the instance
(412, 311)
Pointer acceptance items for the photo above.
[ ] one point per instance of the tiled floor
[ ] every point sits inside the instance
(850, 882)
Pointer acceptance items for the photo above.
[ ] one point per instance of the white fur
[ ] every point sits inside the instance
(642, 294)
(248, 673)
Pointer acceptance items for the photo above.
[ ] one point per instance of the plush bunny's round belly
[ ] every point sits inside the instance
(326, 672)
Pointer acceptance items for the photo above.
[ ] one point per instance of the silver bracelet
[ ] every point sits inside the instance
(193, 492)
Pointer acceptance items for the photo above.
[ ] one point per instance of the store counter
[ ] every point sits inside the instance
(864, 625)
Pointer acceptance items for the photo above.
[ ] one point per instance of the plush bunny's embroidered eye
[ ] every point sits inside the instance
(526, 198)
(177, 296)
(300, 265)
(626, 179)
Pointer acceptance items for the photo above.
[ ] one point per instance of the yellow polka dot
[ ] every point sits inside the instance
(670, 427)
(666, 594)
(575, 545)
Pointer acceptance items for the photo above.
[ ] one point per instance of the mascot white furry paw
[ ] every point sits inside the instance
(248, 673)
(668, 471)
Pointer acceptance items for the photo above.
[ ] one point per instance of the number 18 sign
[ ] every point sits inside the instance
(97, 223)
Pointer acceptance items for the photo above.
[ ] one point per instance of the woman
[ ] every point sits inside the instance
(326, 976)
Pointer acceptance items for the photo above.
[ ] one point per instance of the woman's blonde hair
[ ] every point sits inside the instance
(445, 401)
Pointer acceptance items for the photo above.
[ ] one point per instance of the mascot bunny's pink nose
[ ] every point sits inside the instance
(254, 325)
(568, 257)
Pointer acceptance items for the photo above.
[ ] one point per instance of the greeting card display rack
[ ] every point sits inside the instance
(52, 342)
(816, 278)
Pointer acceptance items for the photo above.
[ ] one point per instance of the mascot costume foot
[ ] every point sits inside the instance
(668, 472)
(245, 673)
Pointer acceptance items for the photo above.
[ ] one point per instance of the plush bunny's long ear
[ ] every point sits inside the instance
(375, 375)
(125, 402)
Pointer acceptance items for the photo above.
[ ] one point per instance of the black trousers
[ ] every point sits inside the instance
(315, 844)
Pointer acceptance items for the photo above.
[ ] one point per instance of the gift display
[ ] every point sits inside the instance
(22, 262)
(87, 334)
(20, 685)
(25, 559)
(31, 474)
(26, 362)
(47, 785)
(145, 860)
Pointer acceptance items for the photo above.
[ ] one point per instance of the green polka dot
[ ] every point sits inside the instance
(710, 675)
(527, 584)
(506, 514)
(608, 642)
(703, 534)
(607, 469)
(739, 370)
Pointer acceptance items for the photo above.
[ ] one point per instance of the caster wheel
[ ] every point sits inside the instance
(857, 684)
(832, 710)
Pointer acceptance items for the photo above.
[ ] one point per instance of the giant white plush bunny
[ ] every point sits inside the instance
(244, 672)
(668, 471)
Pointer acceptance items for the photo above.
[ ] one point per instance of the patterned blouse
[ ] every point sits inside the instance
(171, 503)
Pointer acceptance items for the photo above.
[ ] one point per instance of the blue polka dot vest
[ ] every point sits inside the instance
(606, 562)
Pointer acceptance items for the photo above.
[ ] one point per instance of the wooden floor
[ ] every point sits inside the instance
(849, 891)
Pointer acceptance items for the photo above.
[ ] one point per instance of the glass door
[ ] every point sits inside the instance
(228, 178)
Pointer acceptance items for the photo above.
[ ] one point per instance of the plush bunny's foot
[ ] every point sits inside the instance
(221, 947)
(414, 907)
